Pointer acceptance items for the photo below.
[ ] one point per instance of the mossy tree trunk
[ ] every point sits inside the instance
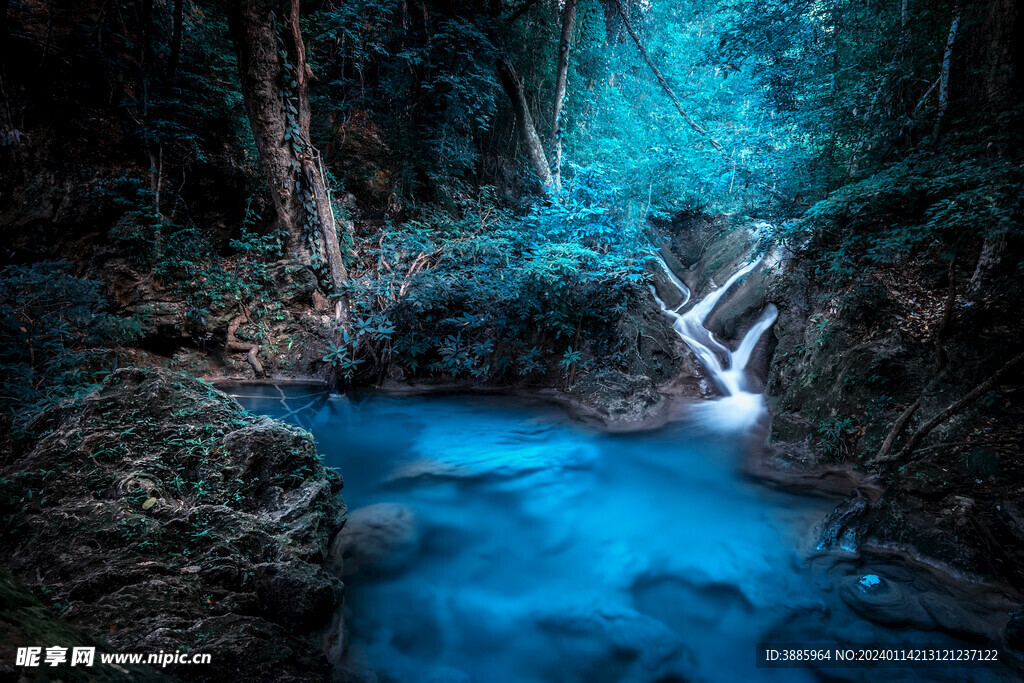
(524, 121)
(275, 80)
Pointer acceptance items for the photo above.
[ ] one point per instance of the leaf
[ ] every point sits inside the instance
(150, 502)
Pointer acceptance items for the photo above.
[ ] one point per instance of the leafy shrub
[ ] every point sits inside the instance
(931, 203)
(55, 336)
(833, 433)
(206, 281)
(487, 294)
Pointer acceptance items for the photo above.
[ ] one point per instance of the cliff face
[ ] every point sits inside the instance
(156, 514)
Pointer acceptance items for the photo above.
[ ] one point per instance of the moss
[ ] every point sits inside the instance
(176, 503)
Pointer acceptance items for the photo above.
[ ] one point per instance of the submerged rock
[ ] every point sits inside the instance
(157, 514)
(380, 538)
(610, 643)
(846, 525)
(884, 602)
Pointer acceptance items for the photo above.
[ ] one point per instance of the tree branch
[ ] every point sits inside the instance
(954, 408)
(661, 80)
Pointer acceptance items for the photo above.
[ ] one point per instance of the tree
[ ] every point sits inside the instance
(275, 77)
(527, 130)
(561, 81)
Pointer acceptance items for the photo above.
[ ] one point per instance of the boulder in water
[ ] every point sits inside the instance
(162, 516)
(846, 525)
(379, 538)
(618, 396)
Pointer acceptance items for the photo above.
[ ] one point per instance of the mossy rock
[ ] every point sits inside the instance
(160, 515)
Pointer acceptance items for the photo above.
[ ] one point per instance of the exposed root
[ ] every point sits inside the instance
(234, 346)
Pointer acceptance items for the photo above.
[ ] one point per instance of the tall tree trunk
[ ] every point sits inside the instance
(1005, 32)
(947, 63)
(260, 70)
(316, 178)
(527, 131)
(277, 100)
(146, 23)
(992, 250)
(561, 78)
(172, 61)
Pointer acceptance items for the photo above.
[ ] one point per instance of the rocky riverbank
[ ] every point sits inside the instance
(843, 370)
(854, 375)
(155, 514)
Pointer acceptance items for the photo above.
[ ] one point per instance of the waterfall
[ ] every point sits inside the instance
(739, 408)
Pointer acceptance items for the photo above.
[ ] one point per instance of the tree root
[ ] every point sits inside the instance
(234, 346)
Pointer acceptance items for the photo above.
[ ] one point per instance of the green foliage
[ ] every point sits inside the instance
(55, 336)
(207, 281)
(424, 75)
(187, 262)
(340, 357)
(833, 433)
(929, 204)
(487, 294)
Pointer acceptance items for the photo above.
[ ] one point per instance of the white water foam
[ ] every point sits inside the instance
(739, 408)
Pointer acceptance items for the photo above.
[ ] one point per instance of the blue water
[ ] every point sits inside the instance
(548, 551)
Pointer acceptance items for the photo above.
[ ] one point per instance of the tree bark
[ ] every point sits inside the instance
(992, 250)
(561, 79)
(947, 62)
(276, 93)
(316, 178)
(172, 61)
(527, 131)
(1001, 59)
(259, 69)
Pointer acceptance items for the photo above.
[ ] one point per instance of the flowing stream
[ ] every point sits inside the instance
(533, 548)
(740, 407)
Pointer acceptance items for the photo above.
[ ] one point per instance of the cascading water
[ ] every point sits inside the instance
(739, 408)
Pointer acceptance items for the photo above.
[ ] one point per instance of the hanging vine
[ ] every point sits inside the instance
(288, 92)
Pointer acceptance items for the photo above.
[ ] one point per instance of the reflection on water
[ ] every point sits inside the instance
(549, 552)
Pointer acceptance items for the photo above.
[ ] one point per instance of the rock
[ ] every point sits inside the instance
(293, 285)
(953, 619)
(27, 622)
(160, 515)
(618, 396)
(884, 602)
(299, 596)
(378, 538)
(845, 526)
(610, 643)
